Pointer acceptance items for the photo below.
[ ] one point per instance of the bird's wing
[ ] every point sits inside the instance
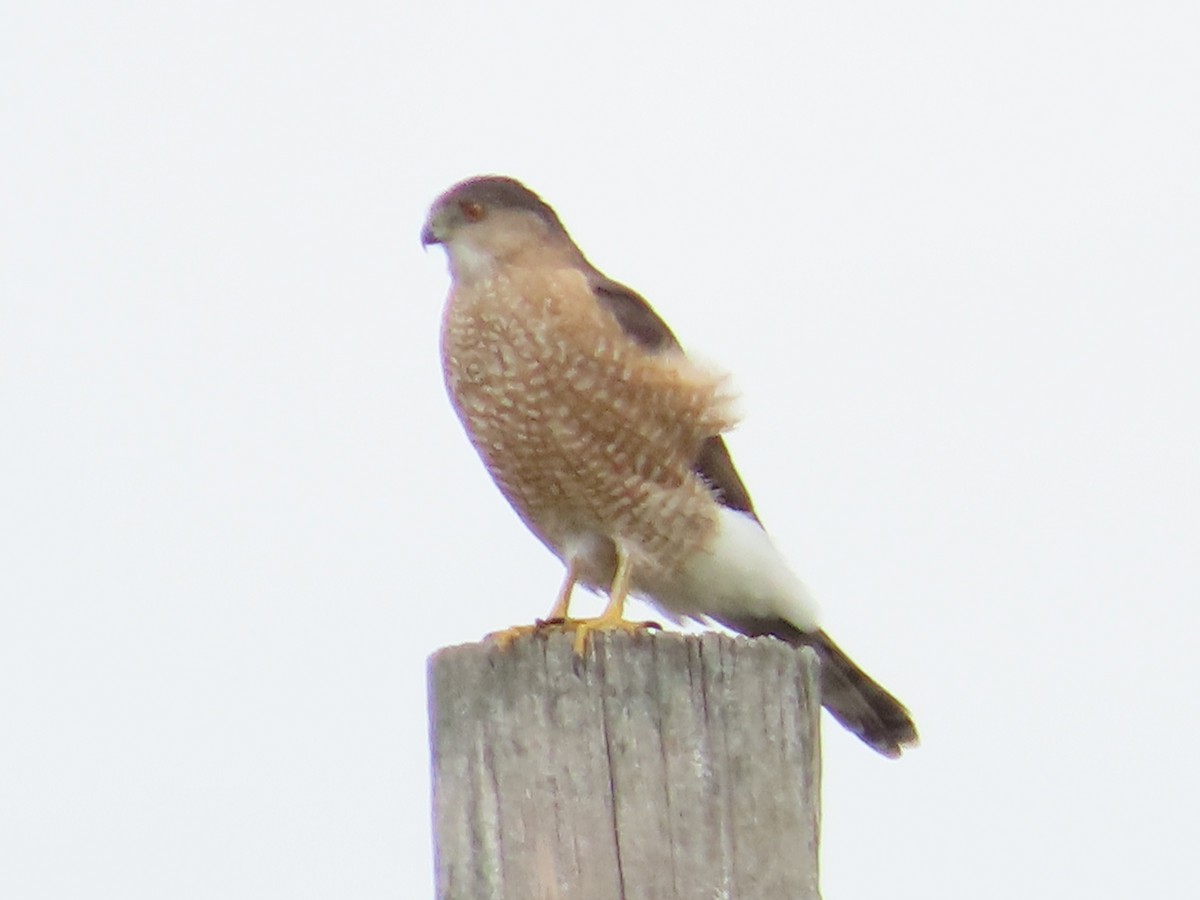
(715, 466)
(634, 314)
(644, 327)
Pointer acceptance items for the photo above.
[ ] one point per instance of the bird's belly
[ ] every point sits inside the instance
(584, 456)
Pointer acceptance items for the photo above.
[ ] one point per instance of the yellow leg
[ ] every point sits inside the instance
(613, 617)
(559, 611)
(557, 615)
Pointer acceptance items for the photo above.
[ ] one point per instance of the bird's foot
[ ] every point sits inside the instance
(580, 627)
(505, 637)
(584, 627)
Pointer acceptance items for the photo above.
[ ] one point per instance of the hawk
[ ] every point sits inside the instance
(606, 440)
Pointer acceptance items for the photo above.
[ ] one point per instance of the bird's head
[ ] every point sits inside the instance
(489, 219)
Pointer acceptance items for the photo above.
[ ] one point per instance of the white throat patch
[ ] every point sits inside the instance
(468, 262)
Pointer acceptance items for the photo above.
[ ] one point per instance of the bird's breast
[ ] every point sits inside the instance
(585, 433)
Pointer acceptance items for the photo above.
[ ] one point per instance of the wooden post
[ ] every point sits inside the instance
(659, 766)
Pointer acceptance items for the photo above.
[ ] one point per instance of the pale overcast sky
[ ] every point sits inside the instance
(950, 253)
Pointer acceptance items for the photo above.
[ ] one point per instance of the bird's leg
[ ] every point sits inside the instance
(613, 616)
(556, 616)
(558, 612)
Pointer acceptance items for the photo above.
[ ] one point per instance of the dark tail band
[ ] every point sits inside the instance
(850, 694)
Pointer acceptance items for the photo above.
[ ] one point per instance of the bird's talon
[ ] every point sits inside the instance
(584, 627)
(505, 638)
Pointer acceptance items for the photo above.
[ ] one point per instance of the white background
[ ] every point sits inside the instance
(949, 252)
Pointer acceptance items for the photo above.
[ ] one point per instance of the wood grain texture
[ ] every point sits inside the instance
(657, 767)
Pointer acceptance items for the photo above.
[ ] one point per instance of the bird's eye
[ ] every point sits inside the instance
(471, 210)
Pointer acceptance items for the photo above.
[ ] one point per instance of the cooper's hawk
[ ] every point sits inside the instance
(605, 438)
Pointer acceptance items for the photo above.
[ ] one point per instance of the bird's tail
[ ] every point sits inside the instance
(859, 702)
(850, 694)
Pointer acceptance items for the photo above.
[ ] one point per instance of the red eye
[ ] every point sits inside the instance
(471, 210)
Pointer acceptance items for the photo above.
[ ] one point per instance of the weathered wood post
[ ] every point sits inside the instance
(657, 767)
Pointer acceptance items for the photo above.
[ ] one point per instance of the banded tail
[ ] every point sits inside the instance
(855, 699)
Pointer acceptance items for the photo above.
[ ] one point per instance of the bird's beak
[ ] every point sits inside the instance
(429, 234)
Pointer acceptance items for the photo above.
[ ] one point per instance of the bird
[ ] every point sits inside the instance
(606, 439)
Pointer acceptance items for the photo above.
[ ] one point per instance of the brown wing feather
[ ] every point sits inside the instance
(633, 314)
(715, 466)
(644, 326)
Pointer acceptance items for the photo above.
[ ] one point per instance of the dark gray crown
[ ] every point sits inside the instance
(499, 192)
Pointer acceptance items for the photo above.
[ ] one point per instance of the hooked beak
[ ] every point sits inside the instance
(435, 228)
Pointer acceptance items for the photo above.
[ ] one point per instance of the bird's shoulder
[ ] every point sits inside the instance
(645, 327)
(636, 317)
